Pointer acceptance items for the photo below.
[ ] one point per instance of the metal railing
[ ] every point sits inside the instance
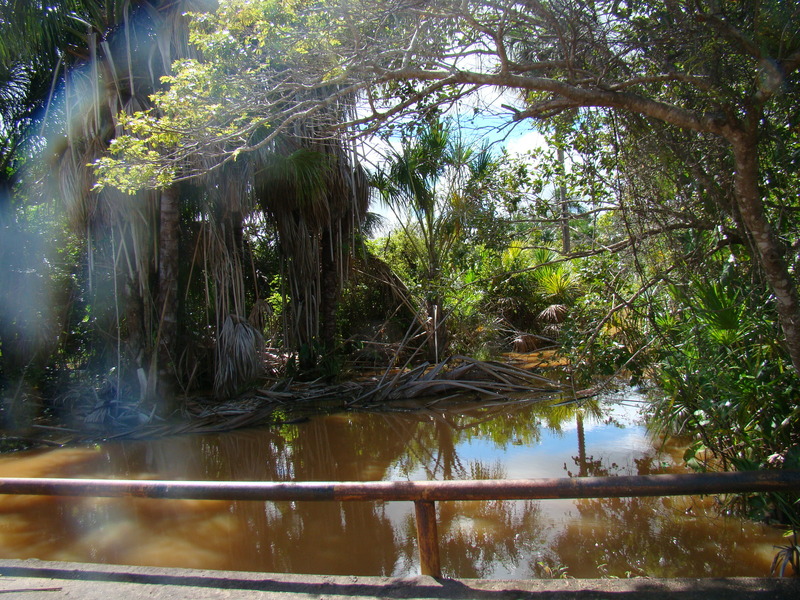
(424, 494)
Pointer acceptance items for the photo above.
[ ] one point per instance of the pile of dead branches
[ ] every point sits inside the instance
(458, 377)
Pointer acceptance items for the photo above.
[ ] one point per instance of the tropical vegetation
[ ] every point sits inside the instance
(185, 202)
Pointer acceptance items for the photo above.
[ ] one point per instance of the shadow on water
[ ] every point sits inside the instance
(553, 538)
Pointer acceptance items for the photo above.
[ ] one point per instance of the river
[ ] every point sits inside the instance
(657, 537)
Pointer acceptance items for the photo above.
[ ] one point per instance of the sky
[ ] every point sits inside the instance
(487, 125)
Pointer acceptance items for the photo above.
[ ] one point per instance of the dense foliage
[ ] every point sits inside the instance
(201, 171)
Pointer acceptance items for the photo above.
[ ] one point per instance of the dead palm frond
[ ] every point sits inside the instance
(240, 349)
(317, 197)
(260, 315)
(555, 313)
(460, 375)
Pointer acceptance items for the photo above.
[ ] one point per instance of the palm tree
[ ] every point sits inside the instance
(301, 176)
(432, 185)
(557, 286)
(100, 59)
(31, 38)
(317, 197)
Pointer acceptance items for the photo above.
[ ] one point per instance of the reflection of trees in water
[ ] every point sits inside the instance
(478, 539)
(346, 538)
(559, 413)
(436, 439)
(351, 537)
(358, 538)
(332, 537)
(651, 536)
(580, 412)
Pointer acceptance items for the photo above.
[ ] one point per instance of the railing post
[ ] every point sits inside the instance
(427, 538)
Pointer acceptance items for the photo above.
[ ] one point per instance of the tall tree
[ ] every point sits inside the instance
(728, 70)
(317, 199)
(88, 62)
(303, 176)
(33, 39)
(433, 185)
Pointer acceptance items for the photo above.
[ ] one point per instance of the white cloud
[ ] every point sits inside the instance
(525, 142)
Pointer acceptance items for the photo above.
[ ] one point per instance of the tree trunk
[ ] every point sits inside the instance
(435, 326)
(436, 330)
(134, 322)
(770, 252)
(566, 245)
(167, 302)
(582, 464)
(329, 294)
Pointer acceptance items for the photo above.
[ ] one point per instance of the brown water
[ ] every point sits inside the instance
(583, 538)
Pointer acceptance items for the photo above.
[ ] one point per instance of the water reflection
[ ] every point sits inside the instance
(586, 538)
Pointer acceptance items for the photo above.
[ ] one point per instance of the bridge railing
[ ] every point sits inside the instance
(424, 494)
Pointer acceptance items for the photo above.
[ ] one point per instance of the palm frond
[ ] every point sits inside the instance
(543, 256)
(240, 348)
(555, 313)
(556, 282)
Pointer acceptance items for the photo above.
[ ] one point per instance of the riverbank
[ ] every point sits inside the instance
(85, 415)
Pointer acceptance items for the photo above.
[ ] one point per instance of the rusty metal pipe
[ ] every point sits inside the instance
(427, 538)
(423, 493)
(491, 489)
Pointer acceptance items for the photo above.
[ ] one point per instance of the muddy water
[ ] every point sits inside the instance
(583, 538)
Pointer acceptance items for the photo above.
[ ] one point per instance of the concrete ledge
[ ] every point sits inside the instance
(39, 580)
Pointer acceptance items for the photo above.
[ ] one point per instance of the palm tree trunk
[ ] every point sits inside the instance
(134, 321)
(329, 292)
(167, 303)
(582, 470)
